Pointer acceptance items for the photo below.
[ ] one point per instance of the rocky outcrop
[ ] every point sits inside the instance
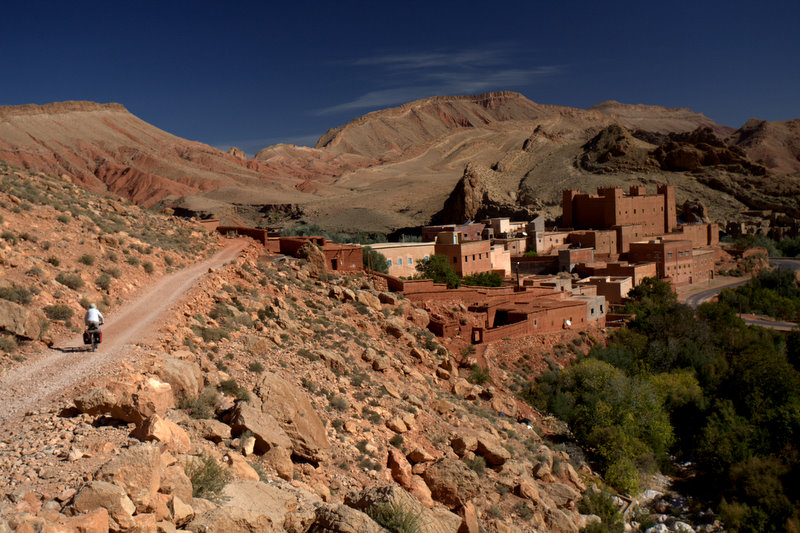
(292, 409)
(138, 471)
(478, 194)
(131, 402)
(452, 483)
(427, 520)
(248, 506)
(614, 149)
(19, 321)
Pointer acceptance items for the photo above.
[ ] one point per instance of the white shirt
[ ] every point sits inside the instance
(93, 315)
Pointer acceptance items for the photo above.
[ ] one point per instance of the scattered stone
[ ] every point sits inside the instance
(266, 430)
(452, 483)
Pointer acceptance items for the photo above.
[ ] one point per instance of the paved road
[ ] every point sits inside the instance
(783, 263)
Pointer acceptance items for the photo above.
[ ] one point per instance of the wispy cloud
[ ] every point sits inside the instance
(402, 78)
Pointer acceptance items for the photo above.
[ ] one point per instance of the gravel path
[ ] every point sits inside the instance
(32, 384)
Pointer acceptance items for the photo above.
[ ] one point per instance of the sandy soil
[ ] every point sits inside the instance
(34, 384)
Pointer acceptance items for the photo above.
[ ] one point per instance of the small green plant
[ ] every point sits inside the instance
(63, 219)
(201, 407)
(523, 511)
(73, 281)
(208, 478)
(8, 236)
(230, 387)
(103, 281)
(8, 344)
(479, 375)
(395, 517)
(256, 367)
(16, 294)
(396, 441)
(86, 259)
(339, 403)
(148, 267)
(601, 504)
(133, 260)
(53, 260)
(58, 312)
(35, 271)
(477, 465)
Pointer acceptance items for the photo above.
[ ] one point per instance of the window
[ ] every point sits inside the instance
(473, 257)
(454, 259)
(399, 261)
(410, 262)
(669, 255)
(389, 262)
(426, 258)
(466, 259)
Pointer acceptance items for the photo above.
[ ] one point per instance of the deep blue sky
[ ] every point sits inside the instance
(253, 73)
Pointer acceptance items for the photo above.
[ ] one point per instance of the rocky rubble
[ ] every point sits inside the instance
(325, 404)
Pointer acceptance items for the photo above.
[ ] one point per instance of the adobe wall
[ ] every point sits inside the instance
(343, 258)
(604, 242)
(259, 235)
(402, 257)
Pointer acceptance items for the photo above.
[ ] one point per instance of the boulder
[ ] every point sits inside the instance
(333, 360)
(492, 450)
(20, 321)
(389, 298)
(292, 408)
(419, 489)
(395, 327)
(465, 389)
(248, 506)
(266, 430)
(280, 460)
(452, 483)
(420, 455)
(381, 363)
(369, 299)
(96, 521)
(112, 498)
(317, 265)
(470, 524)
(462, 444)
(158, 429)
(527, 489)
(240, 468)
(343, 519)
(175, 482)
(505, 405)
(210, 429)
(400, 468)
(427, 520)
(137, 470)
(397, 424)
(185, 377)
(561, 494)
(182, 513)
(128, 402)
(543, 469)
(560, 522)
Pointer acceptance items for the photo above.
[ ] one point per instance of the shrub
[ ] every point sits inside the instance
(210, 334)
(8, 344)
(208, 478)
(86, 259)
(114, 272)
(46, 245)
(478, 375)
(395, 517)
(439, 270)
(478, 464)
(374, 260)
(132, 260)
(73, 281)
(8, 236)
(63, 219)
(53, 260)
(58, 312)
(103, 281)
(201, 407)
(396, 441)
(601, 504)
(16, 294)
(230, 387)
(256, 367)
(35, 271)
(339, 403)
(148, 267)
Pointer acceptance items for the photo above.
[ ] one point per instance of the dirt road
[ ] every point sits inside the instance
(32, 384)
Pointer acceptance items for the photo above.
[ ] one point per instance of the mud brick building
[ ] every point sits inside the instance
(468, 232)
(610, 208)
(673, 259)
(402, 257)
(467, 257)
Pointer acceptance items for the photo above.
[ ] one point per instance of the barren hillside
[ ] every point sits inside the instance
(396, 167)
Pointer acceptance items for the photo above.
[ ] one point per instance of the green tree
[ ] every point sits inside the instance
(374, 260)
(437, 268)
(484, 279)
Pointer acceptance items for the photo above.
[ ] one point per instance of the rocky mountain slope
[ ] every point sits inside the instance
(396, 167)
(323, 395)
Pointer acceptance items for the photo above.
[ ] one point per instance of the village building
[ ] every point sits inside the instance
(673, 259)
(402, 257)
(466, 257)
(613, 288)
(470, 231)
